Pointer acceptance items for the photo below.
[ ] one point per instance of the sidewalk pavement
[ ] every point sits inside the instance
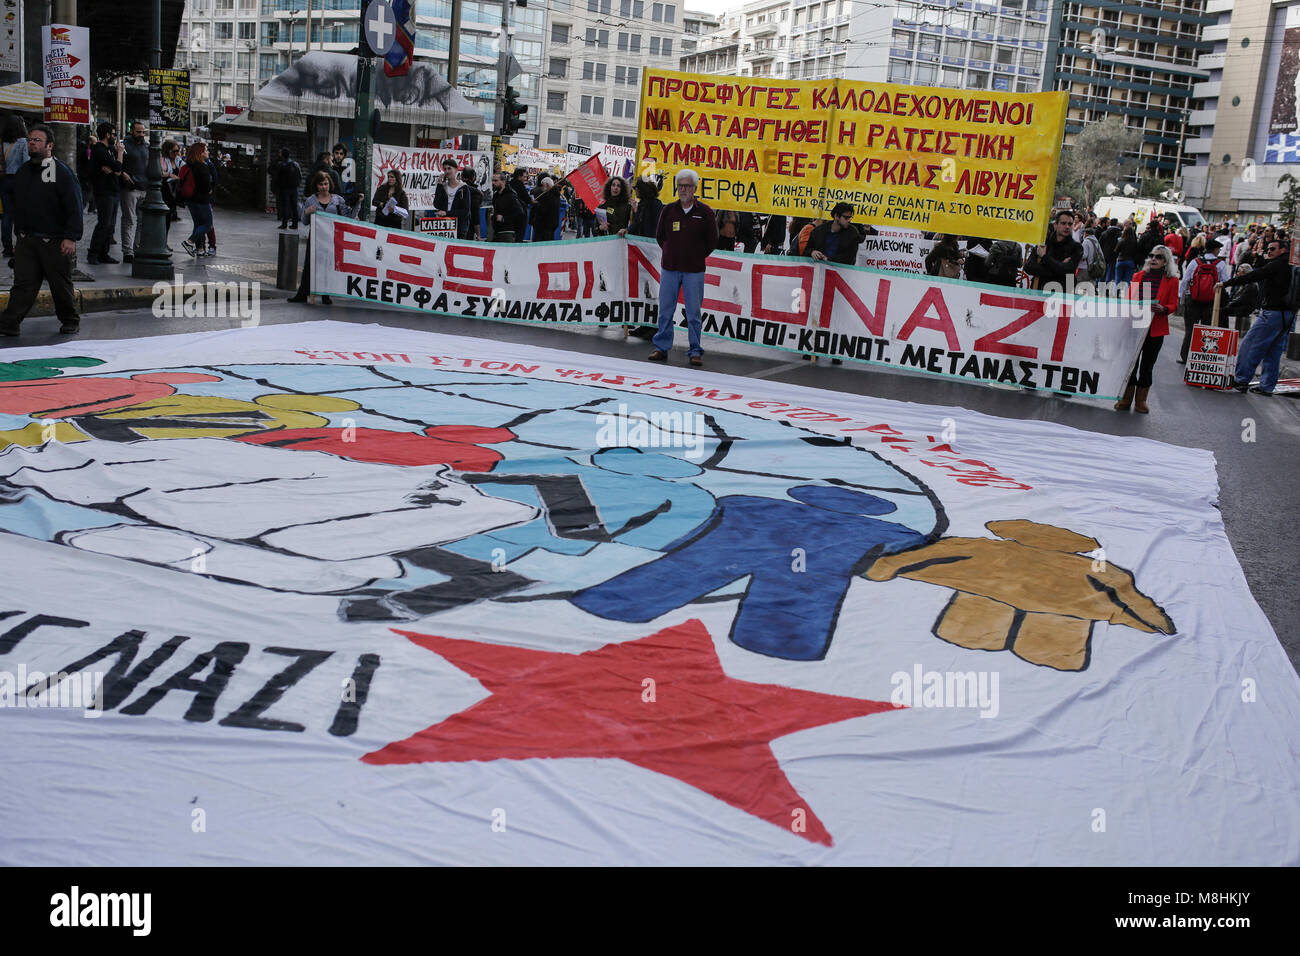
(247, 247)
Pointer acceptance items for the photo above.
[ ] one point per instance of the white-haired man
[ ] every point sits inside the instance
(687, 233)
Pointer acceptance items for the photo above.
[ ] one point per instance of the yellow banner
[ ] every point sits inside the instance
(972, 162)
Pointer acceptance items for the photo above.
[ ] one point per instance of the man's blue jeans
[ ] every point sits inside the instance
(1265, 342)
(691, 285)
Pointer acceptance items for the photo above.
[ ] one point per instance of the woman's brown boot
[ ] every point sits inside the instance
(1123, 404)
(1141, 404)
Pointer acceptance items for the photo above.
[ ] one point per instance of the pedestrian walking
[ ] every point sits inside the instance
(195, 190)
(14, 145)
(47, 217)
(105, 180)
(286, 183)
(135, 178)
(687, 233)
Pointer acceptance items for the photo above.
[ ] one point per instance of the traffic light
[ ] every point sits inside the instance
(513, 117)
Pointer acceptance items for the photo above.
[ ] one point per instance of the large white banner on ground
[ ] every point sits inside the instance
(977, 333)
(421, 169)
(326, 593)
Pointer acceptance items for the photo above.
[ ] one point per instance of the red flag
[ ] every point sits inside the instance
(589, 182)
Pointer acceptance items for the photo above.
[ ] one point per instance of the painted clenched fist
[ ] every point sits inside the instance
(1033, 593)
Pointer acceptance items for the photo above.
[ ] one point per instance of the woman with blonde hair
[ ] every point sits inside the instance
(1196, 249)
(1157, 282)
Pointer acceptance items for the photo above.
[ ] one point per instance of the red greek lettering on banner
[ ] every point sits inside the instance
(342, 246)
(941, 321)
(547, 270)
(835, 283)
(796, 316)
(712, 278)
(636, 261)
(485, 256)
(1033, 310)
(406, 258)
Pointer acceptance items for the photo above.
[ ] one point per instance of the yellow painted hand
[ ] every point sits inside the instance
(1032, 593)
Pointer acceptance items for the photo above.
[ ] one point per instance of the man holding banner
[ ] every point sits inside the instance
(687, 233)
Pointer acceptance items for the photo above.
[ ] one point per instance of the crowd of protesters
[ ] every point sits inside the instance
(1179, 268)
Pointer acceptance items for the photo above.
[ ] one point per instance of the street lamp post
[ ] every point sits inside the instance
(154, 260)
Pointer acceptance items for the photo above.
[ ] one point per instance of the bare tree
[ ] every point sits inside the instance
(1097, 156)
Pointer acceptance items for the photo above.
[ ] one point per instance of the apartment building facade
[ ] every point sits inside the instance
(1245, 132)
(1136, 59)
(596, 54)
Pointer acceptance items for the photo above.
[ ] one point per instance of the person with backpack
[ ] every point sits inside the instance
(1005, 260)
(287, 182)
(1092, 263)
(1264, 344)
(194, 188)
(1200, 278)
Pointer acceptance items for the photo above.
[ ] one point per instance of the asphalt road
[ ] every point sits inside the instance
(1257, 478)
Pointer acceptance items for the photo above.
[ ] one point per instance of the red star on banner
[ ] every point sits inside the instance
(703, 728)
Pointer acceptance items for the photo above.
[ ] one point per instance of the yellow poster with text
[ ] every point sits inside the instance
(972, 162)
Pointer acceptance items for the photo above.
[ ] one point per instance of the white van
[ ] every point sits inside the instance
(1121, 207)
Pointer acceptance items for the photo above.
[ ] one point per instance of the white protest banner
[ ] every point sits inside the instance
(617, 160)
(65, 52)
(334, 594)
(421, 169)
(531, 158)
(970, 331)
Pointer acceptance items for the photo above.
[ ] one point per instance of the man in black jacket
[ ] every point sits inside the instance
(837, 240)
(1058, 257)
(519, 186)
(105, 177)
(1109, 238)
(1267, 338)
(506, 211)
(47, 218)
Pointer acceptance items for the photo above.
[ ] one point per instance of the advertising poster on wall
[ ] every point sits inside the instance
(65, 53)
(1284, 122)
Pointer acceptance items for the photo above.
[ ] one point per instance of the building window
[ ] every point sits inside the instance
(247, 31)
(1007, 55)
(594, 71)
(900, 71)
(559, 67)
(618, 108)
(928, 46)
(984, 23)
(981, 51)
(223, 31)
(924, 74)
(657, 12)
(977, 80)
(560, 33)
(598, 105)
(954, 47)
(555, 102)
(1031, 59)
(902, 40)
(598, 6)
(950, 77)
(553, 137)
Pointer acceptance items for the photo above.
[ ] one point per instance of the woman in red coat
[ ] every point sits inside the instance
(1158, 281)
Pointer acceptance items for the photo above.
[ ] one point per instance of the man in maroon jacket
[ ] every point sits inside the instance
(688, 232)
